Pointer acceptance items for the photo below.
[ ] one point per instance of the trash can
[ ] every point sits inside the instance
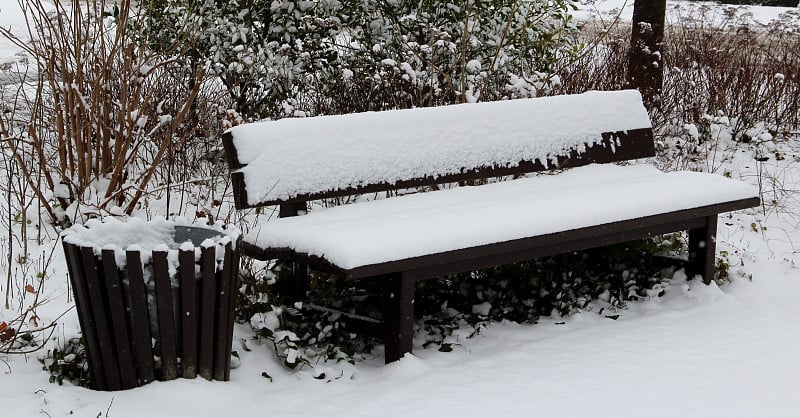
(155, 299)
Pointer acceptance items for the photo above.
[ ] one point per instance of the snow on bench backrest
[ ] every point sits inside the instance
(303, 159)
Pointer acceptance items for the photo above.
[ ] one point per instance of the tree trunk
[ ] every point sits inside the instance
(645, 65)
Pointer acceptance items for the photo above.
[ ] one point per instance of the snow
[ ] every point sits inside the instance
(676, 9)
(698, 351)
(155, 235)
(408, 226)
(291, 157)
(146, 237)
(11, 17)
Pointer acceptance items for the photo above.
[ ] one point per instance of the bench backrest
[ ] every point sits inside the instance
(291, 161)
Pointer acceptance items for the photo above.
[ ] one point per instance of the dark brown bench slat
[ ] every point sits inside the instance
(188, 314)
(532, 247)
(615, 147)
(557, 243)
(140, 318)
(119, 322)
(166, 317)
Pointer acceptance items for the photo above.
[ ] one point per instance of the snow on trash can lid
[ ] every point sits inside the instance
(135, 234)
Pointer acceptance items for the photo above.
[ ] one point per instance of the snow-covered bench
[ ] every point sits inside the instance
(416, 236)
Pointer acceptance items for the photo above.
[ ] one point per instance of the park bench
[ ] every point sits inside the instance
(402, 236)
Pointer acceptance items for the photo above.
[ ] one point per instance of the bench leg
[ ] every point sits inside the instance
(398, 315)
(702, 250)
(300, 281)
(297, 286)
(294, 287)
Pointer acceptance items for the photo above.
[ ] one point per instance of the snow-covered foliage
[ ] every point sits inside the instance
(100, 113)
(300, 58)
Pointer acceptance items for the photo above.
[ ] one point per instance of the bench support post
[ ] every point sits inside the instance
(398, 315)
(298, 284)
(702, 250)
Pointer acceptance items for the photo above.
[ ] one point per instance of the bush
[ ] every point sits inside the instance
(521, 292)
(103, 113)
(300, 58)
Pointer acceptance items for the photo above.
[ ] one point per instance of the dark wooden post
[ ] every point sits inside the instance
(398, 315)
(645, 64)
(295, 288)
(703, 249)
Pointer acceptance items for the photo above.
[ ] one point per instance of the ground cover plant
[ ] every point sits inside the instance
(730, 105)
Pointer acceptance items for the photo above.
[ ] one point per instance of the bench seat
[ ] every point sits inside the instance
(384, 236)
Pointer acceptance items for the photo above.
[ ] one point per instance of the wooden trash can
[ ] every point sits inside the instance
(155, 300)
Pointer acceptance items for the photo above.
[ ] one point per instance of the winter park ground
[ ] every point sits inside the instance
(701, 351)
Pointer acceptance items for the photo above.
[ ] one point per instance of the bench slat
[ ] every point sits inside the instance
(305, 159)
(615, 147)
(404, 227)
(507, 252)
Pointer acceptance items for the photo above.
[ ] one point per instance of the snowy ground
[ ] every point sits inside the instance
(700, 351)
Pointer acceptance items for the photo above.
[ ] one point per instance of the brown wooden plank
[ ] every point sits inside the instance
(207, 309)
(231, 153)
(188, 315)
(232, 303)
(588, 237)
(105, 338)
(83, 304)
(615, 146)
(703, 250)
(119, 322)
(222, 351)
(398, 315)
(239, 191)
(294, 287)
(140, 319)
(166, 317)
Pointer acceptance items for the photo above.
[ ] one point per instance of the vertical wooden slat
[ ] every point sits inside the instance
(702, 250)
(188, 314)
(221, 349)
(207, 309)
(140, 319)
(119, 325)
(398, 315)
(83, 305)
(166, 318)
(234, 277)
(101, 318)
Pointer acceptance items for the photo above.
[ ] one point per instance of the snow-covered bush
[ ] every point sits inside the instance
(104, 112)
(726, 77)
(301, 58)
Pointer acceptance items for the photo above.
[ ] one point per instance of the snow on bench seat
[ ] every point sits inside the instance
(414, 225)
(295, 157)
